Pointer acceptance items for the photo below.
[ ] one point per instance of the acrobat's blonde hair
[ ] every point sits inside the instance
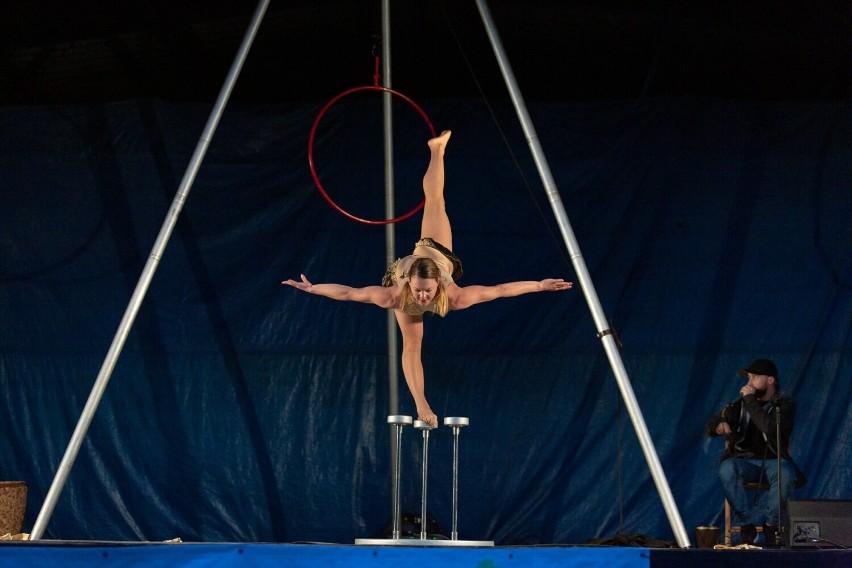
(426, 268)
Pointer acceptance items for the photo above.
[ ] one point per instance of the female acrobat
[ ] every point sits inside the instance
(425, 281)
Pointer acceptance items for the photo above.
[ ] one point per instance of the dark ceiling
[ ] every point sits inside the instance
(57, 52)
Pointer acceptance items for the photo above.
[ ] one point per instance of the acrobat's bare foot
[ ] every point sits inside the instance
(440, 142)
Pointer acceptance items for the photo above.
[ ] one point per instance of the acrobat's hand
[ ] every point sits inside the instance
(304, 285)
(554, 284)
(428, 417)
(748, 390)
(424, 413)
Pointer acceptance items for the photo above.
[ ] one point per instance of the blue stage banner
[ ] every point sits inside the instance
(241, 410)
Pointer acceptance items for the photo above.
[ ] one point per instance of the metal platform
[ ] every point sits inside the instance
(421, 542)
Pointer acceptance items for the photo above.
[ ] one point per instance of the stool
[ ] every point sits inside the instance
(730, 528)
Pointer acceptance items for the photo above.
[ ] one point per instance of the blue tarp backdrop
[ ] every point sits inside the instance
(242, 410)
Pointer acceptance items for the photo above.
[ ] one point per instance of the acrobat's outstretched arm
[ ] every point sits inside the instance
(411, 327)
(464, 297)
(378, 295)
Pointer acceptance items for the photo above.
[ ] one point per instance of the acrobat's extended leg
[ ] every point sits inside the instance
(435, 223)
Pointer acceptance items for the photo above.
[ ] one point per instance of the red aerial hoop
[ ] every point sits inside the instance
(374, 87)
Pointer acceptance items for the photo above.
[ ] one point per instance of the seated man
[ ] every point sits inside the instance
(749, 425)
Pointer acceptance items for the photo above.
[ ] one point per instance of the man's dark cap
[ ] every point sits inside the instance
(761, 367)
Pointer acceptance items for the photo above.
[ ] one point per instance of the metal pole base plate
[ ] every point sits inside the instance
(421, 542)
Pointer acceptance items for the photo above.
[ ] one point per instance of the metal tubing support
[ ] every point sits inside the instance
(780, 536)
(390, 205)
(390, 248)
(456, 423)
(585, 280)
(423, 535)
(398, 422)
(454, 535)
(396, 482)
(144, 281)
(425, 427)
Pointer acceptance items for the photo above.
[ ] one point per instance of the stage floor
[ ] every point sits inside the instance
(128, 554)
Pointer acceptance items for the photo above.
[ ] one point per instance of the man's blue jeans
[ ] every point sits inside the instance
(733, 472)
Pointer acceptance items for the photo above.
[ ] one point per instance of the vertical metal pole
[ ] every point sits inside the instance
(454, 535)
(145, 280)
(390, 234)
(424, 481)
(456, 423)
(390, 239)
(398, 422)
(603, 331)
(781, 533)
(396, 482)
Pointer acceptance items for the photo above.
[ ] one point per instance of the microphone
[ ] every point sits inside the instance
(736, 400)
(731, 404)
(726, 412)
(758, 393)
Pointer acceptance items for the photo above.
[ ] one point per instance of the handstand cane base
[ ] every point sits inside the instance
(456, 423)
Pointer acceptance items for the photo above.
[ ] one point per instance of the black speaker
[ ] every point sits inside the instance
(820, 524)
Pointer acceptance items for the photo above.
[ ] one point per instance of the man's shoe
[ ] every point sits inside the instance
(748, 534)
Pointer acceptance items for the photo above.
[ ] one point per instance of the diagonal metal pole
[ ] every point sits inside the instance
(145, 280)
(601, 323)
